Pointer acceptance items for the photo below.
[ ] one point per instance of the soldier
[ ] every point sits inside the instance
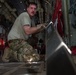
(19, 49)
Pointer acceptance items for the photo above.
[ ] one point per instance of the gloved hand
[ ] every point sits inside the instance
(43, 25)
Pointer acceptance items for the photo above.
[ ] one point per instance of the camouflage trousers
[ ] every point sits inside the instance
(20, 50)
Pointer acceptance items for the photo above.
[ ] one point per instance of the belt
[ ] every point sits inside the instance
(14, 40)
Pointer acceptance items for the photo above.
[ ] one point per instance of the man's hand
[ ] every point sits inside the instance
(41, 26)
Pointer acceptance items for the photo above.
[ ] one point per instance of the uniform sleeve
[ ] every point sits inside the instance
(25, 20)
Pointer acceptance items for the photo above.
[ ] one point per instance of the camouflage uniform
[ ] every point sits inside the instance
(20, 50)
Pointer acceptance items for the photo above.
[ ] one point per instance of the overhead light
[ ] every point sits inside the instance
(20, 1)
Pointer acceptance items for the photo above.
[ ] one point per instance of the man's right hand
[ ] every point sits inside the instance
(41, 26)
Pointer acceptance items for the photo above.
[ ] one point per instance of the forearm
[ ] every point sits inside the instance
(32, 30)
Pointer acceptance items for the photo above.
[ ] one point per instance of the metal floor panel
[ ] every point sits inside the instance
(21, 68)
